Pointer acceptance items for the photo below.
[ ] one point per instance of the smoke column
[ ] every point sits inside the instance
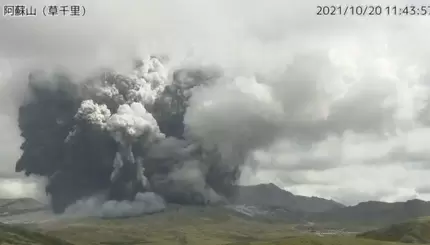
(122, 134)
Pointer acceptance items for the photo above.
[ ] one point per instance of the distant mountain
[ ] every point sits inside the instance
(372, 212)
(270, 195)
(271, 201)
(19, 206)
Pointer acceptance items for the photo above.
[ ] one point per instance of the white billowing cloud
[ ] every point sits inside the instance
(96, 206)
(235, 116)
(93, 113)
(132, 121)
(15, 188)
(333, 106)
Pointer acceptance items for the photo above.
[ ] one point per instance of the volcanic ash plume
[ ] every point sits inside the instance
(124, 136)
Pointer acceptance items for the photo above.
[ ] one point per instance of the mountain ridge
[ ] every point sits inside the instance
(272, 196)
(375, 212)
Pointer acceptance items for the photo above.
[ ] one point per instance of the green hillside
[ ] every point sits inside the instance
(193, 226)
(374, 213)
(12, 235)
(415, 231)
(315, 240)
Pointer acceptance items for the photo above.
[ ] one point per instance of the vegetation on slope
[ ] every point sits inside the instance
(193, 226)
(315, 240)
(375, 213)
(13, 235)
(415, 231)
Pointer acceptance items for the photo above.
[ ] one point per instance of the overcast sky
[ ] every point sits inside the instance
(355, 87)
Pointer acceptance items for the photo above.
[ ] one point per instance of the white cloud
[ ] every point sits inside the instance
(17, 187)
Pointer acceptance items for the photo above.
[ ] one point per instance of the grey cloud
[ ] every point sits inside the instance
(423, 189)
(294, 160)
(305, 163)
(401, 155)
(300, 179)
(350, 196)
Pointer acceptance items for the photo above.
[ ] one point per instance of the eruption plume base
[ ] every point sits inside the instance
(123, 134)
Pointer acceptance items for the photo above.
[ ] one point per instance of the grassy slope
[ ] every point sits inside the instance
(374, 213)
(19, 236)
(417, 231)
(191, 226)
(314, 240)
